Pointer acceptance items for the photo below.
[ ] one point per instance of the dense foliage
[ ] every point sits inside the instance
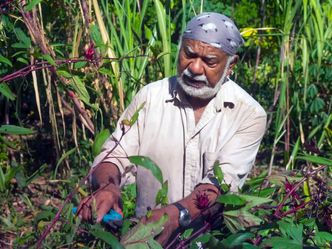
(69, 68)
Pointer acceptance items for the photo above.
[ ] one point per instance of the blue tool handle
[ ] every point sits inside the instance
(112, 215)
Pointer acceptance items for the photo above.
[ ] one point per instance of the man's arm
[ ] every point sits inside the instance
(104, 174)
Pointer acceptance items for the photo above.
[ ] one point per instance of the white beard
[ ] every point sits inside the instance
(204, 92)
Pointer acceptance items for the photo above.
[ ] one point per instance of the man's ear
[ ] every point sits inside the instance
(235, 59)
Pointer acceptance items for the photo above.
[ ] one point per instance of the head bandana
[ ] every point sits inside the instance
(215, 29)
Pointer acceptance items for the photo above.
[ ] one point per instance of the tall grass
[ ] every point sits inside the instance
(305, 32)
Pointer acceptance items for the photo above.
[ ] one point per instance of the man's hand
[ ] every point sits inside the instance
(101, 202)
(171, 225)
(107, 195)
(198, 203)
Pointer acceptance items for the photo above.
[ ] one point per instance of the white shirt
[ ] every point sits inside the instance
(230, 131)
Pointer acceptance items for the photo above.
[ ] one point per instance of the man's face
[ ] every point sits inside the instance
(201, 68)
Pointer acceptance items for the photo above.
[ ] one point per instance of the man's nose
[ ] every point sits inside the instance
(196, 67)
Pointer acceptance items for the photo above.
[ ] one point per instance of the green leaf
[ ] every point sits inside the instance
(246, 245)
(23, 60)
(236, 239)
(19, 45)
(63, 157)
(31, 5)
(162, 195)
(138, 245)
(95, 35)
(316, 159)
(135, 115)
(148, 164)
(25, 41)
(80, 89)
(143, 232)
(43, 215)
(323, 238)
(64, 74)
(186, 234)
(107, 237)
(281, 243)
(100, 139)
(202, 239)
(106, 71)
(237, 220)
(49, 59)
(231, 199)
(79, 64)
(4, 60)
(291, 230)
(316, 105)
(152, 244)
(5, 90)
(218, 172)
(15, 130)
(253, 201)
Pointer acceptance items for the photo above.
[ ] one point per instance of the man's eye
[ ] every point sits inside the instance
(189, 55)
(210, 63)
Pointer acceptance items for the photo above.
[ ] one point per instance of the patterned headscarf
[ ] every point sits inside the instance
(215, 29)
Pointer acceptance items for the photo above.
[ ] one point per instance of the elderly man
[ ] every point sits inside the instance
(187, 123)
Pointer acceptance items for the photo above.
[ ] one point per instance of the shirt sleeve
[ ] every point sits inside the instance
(124, 141)
(237, 157)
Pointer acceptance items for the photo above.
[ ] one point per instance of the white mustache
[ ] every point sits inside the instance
(201, 77)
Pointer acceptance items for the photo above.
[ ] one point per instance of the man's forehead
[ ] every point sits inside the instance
(194, 46)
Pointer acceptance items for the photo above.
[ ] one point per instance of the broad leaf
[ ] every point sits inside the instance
(64, 73)
(15, 130)
(186, 234)
(4, 60)
(231, 199)
(218, 172)
(316, 159)
(282, 243)
(80, 89)
(291, 230)
(5, 90)
(143, 232)
(236, 239)
(31, 5)
(135, 115)
(100, 139)
(253, 201)
(138, 245)
(25, 41)
(323, 238)
(148, 164)
(49, 59)
(107, 237)
(240, 219)
(162, 195)
(96, 36)
(79, 64)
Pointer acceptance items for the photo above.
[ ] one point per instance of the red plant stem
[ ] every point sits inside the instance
(37, 66)
(203, 229)
(295, 209)
(279, 207)
(184, 242)
(72, 193)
